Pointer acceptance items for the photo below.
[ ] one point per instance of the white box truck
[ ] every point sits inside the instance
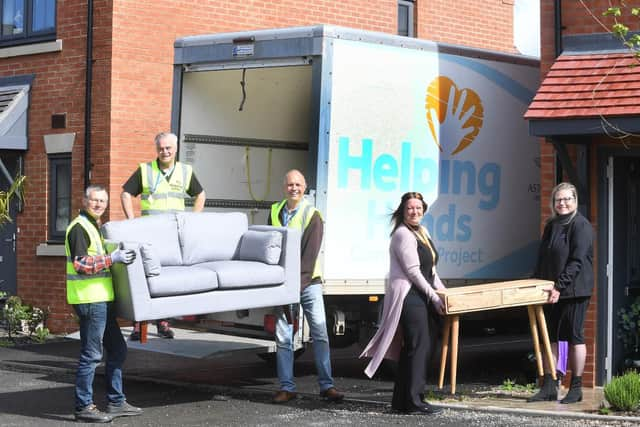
(366, 117)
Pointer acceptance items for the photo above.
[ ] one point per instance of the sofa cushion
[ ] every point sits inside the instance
(261, 246)
(161, 231)
(150, 260)
(210, 236)
(245, 274)
(176, 280)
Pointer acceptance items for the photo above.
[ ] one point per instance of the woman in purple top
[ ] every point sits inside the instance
(404, 333)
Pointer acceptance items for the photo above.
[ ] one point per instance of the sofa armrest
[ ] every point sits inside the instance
(290, 255)
(132, 298)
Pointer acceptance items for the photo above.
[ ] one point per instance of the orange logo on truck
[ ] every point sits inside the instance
(454, 115)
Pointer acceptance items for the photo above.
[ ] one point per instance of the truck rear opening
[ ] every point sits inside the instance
(366, 117)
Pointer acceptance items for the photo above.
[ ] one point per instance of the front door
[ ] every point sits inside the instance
(8, 276)
(8, 262)
(625, 246)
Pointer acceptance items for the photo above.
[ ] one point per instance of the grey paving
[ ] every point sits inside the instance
(187, 363)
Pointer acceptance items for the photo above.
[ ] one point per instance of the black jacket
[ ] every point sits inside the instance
(566, 256)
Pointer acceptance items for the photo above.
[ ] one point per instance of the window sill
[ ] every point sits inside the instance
(31, 49)
(48, 249)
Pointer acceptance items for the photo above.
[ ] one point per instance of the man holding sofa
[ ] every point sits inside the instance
(162, 185)
(295, 212)
(90, 292)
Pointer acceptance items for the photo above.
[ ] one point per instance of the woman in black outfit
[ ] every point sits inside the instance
(410, 300)
(566, 258)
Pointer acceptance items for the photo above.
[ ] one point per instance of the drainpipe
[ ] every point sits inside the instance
(87, 97)
(557, 44)
(558, 27)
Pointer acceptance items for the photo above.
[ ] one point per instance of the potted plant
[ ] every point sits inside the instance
(629, 332)
(15, 190)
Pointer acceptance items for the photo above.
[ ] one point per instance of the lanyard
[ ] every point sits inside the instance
(287, 215)
(161, 175)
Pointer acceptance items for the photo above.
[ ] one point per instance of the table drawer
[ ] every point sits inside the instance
(526, 295)
(496, 295)
(473, 301)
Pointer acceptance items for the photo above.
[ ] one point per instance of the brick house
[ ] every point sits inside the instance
(92, 81)
(587, 111)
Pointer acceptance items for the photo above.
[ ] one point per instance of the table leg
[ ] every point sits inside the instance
(445, 349)
(143, 332)
(533, 323)
(545, 340)
(455, 327)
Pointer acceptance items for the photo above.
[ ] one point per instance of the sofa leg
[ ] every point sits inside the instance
(143, 332)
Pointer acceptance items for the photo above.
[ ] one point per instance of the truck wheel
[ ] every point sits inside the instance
(270, 358)
(341, 341)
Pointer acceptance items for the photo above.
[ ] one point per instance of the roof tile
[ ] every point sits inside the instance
(581, 86)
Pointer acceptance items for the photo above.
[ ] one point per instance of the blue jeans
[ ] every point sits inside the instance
(98, 327)
(313, 308)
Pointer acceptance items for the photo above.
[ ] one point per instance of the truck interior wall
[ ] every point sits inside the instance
(276, 108)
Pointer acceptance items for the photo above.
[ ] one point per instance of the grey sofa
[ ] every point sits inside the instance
(196, 263)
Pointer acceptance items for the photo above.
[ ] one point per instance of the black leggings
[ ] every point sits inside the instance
(415, 354)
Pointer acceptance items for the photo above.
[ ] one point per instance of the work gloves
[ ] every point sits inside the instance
(125, 256)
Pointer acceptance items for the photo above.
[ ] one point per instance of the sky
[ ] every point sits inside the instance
(526, 27)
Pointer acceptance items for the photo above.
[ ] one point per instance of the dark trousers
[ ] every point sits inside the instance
(415, 354)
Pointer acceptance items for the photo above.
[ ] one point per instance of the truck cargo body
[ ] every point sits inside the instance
(366, 117)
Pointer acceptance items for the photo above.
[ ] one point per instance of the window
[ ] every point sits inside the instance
(405, 18)
(27, 21)
(59, 195)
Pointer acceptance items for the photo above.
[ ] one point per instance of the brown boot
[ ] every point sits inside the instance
(283, 396)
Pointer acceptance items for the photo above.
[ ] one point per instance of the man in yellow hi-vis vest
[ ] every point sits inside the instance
(90, 291)
(162, 184)
(295, 212)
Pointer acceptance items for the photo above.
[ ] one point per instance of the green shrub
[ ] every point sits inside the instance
(13, 314)
(623, 392)
(40, 334)
(19, 317)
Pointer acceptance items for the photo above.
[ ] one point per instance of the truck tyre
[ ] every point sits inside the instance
(270, 358)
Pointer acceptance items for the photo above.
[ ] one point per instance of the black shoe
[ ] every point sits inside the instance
(427, 409)
(91, 414)
(574, 396)
(164, 330)
(575, 392)
(548, 392)
(123, 410)
(135, 334)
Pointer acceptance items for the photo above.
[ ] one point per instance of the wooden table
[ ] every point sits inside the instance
(492, 296)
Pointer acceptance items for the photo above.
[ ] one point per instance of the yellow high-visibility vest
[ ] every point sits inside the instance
(87, 288)
(300, 220)
(158, 194)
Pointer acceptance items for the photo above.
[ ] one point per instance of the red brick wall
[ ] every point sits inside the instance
(58, 87)
(577, 18)
(481, 24)
(132, 79)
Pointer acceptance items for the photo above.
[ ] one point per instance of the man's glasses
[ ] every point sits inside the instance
(564, 199)
(100, 201)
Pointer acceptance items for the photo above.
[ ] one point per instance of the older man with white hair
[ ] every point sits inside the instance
(162, 185)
